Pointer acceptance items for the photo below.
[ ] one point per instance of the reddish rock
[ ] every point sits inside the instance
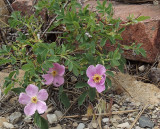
(147, 32)
(26, 8)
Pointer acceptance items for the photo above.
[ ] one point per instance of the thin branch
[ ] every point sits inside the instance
(54, 19)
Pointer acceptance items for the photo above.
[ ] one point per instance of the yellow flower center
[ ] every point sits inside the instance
(97, 78)
(34, 99)
(54, 73)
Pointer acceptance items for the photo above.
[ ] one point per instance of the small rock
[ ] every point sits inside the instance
(2, 119)
(81, 126)
(158, 96)
(145, 122)
(141, 68)
(57, 127)
(52, 118)
(84, 118)
(94, 125)
(131, 119)
(73, 79)
(106, 127)
(137, 104)
(28, 119)
(15, 117)
(137, 127)
(123, 125)
(59, 114)
(105, 120)
(151, 107)
(75, 124)
(8, 125)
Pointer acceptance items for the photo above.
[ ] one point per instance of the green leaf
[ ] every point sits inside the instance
(4, 61)
(9, 87)
(26, 67)
(40, 121)
(82, 97)
(64, 99)
(110, 73)
(92, 93)
(81, 84)
(18, 90)
(103, 42)
(143, 52)
(109, 82)
(114, 63)
(142, 18)
(70, 66)
(39, 59)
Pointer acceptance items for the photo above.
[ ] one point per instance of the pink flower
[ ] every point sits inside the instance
(55, 75)
(97, 77)
(33, 100)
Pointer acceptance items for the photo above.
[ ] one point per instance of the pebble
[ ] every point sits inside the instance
(2, 119)
(28, 119)
(75, 124)
(57, 127)
(84, 118)
(123, 125)
(73, 79)
(81, 126)
(141, 68)
(8, 125)
(106, 127)
(52, 118)
(145, 122)
(105, 120)
(15, 117)
(59, 114)
(94, 125)
(137, 127)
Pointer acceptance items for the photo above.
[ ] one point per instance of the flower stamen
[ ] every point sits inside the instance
(97, 78)
(54, 73)
(34, 99)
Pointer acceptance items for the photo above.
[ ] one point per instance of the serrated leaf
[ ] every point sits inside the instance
(109, 82)
(110, 73)
(92, 93)
(103, 42)
(70, 66)
(18, 90)
(142, 18)
(82, 97)
(65, 100)
(9, 87)
(40, 121)
(81, 85)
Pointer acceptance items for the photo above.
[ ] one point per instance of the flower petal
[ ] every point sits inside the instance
(91, 83)
(24, 98)
(102, 80)
(48, 78)
(100, 88)
(58, 81)
(32, 90)
(59, 68)
(41, 107)
(50, 70)
(42, 95)
(100, 69)
(91, 70)
(30, 109)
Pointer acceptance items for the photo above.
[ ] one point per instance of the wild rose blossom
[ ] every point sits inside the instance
(33, 100)
(97, 77)
(55, 75)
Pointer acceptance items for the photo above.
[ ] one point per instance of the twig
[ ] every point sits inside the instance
(103, 114)
(54, 19)
(68, 109)
(140, 113)
(10, 7)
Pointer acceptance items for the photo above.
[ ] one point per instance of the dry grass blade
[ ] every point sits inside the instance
(139, 114)
(103, 114)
